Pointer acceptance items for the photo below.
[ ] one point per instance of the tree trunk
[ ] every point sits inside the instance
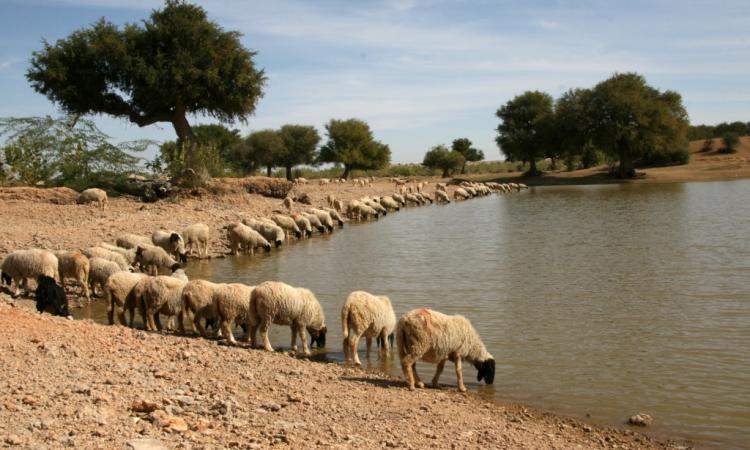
(268, 171)
(625, 169)
(289, 173)
(446, 173)
(553, 163)
(182, 126)
(463, 169)
(347, 169)
(533, 171)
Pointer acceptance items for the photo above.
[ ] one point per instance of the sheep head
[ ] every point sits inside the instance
(318, 336)
(486, 370)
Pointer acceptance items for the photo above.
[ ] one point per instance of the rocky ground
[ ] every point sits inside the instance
(77, 384)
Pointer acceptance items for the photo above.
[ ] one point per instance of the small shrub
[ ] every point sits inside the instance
(708, 145)
(730, 141)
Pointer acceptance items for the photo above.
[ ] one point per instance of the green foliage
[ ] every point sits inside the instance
(262, 149)
(68, 151)
(708, 145)
(177, 62)
(526, 125)
(350, 142)
(632, 121)
(730, 141)
(697, 132)
(470, 154)
(300, 147)
(439, 157)
(215, 147)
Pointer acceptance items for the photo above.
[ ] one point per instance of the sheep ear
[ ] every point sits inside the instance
(174, 237)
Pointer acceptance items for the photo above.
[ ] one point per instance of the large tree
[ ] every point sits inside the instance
(300, 146)
(632, 120)
(263, 149)
(174, 64)
(525, 129)
(464, 147)
(350, 142)
(439, 157)
(572, 127)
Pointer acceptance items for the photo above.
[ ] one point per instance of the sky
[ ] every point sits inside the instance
(424, 72)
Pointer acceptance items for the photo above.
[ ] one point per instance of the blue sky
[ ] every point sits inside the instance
(426, 72)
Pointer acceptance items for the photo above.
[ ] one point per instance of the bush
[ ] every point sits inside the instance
(665, 158)
(731, 141)
(708, 145)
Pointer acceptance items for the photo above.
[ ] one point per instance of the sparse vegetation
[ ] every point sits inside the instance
(729, 141)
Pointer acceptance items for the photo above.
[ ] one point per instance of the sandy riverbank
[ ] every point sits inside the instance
(83, 385)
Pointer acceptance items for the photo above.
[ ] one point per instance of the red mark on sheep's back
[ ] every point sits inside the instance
(424, 313)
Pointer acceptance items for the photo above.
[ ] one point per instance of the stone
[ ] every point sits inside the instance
(146, 444)
(640, 420)
(143, 406)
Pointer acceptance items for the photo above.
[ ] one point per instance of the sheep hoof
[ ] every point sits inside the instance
(461, 389)
(420, 385)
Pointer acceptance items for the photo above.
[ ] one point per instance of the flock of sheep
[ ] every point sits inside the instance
(420, 334)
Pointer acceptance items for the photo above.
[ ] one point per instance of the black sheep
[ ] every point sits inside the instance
(49, 295)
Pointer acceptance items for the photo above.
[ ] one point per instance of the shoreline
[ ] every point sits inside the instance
(66, 220)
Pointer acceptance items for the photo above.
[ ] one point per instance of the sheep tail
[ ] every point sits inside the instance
(345, 321)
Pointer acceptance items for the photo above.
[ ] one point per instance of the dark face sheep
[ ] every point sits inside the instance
(318, 337)
(298, 234)
(279, 243)
(175, 266)
(267, 247)
(174, 238)
(486, 370)
(7, 280)
(49, 295)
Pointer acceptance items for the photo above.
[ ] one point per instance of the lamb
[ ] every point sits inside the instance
(367, 315)
(460, 193)
(288, 224)
(440, 187)
(242, 236)
(129, 240)
(338, 205)
(279, 303)
(390, 203)
(161, 295)
(435, 337)
(335, 216)
(101, 270)
(118, 292)
(74, 265)
(269, 230)
(324, 217)
(441, 197)
(300, 180)
(93, 195)
(198, 301)
(19, 266)
(196, 236)
(399, 198)
(49, 295)
(288, 203)
(234, 307)
(109, 255)
(171, 241)
(330, 200)
(304, 224)
(151, 259)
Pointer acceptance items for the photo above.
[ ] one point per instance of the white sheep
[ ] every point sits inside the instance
(367, 315)
(461, 194)
(323, 217)
(335, 216)
(129, 240)
(435, 337)
(234, 307)
(304, 224)
(127, 253)
(101, 270)
(196, 237)
(389, 203)
(198, 301)
(441, 197)
(109, 255)
(241, 236)
(288, 203)
(93, 195)
(399, 198)
(171, 241)
(152, 258)
(118, 292)
(161, 295)
(269, 230)
(330, 200)
(287, 224)
(19, 266)
(338, 205)
(279, 303)
(75, 265)
(314, 221)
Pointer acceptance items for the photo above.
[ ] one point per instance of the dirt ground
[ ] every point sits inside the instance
(76, 384)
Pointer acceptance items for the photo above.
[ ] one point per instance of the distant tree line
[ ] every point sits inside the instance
(621, 119)
(720, 130)
(455, 159)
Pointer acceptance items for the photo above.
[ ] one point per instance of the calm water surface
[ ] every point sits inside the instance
(600, 300)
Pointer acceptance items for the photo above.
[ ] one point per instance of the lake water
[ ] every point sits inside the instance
(601, 300)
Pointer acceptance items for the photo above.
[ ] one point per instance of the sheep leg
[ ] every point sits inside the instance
(384, 339)
(354, 343)
(460, 375)
(347, 352)
(418, 380)
(226, 330)
(248, 333)
(198, 326)
(181, 322)
(253, 336)
(294, 338)
(264, 325)
(85, 290)
(407, 365)
(303, 336)
(439, 371)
